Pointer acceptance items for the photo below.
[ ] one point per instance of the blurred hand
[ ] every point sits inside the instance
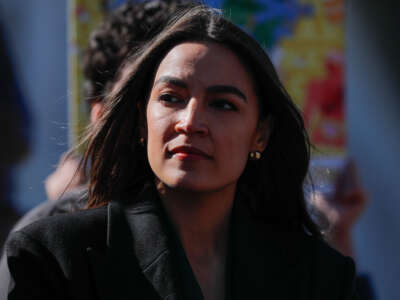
(343, 208)
(349, 199)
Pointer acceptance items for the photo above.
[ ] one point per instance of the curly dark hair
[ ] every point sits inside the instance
(124, 29)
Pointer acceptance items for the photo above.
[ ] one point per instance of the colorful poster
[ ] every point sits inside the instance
(305, 39)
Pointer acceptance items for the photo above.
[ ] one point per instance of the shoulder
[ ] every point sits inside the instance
(64, 231)
(315, 254)
(331, 273)
(326, 256)
(53, 252)
(70, 202)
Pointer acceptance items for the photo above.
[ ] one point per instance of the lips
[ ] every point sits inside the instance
(189, 152)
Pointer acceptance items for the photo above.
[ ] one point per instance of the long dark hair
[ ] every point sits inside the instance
(118, 162)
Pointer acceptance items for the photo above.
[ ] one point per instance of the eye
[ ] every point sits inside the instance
(169, 98)
(222, 104)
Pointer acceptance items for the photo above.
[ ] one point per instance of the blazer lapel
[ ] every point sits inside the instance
(137, 261)
(115, 269)
(152, 243)
(265, 262)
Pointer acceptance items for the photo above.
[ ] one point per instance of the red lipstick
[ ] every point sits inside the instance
(189, 153)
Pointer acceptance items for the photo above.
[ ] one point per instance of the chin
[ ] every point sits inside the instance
(188, 185)
(195, 184)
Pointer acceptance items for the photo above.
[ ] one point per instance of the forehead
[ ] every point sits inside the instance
(207, 63)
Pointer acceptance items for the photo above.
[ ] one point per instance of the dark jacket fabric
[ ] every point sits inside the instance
(129, 252)
(72, 201)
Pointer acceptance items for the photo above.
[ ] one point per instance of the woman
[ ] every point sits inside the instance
(196, 174)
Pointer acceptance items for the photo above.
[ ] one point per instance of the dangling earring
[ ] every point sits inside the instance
(141, 141)
(255, 155)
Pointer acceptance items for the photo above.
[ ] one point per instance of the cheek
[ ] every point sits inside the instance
(155, 121)
(234, 146)
(159, 129)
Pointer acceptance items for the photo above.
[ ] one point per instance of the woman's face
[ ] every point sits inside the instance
(202, 118)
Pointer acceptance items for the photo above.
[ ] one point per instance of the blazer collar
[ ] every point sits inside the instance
(153, 242)
(136, 262)
(113, 264)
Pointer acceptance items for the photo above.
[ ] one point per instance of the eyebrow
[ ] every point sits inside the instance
(215, 89)
(226, 89)
(171, 80)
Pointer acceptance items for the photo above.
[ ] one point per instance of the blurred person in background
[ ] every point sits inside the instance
(339, 212)
(123, 30)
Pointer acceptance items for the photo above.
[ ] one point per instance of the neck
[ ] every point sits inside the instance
(200, 219)
(202, 223)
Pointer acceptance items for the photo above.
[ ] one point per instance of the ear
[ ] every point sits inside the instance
(95, 111)
(262, 135)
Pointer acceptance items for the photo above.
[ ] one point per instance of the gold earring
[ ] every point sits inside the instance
(255, 155)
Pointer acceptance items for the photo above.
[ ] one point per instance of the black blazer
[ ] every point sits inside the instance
(124, 252)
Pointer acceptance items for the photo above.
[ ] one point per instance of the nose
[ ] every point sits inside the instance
(192, 119)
